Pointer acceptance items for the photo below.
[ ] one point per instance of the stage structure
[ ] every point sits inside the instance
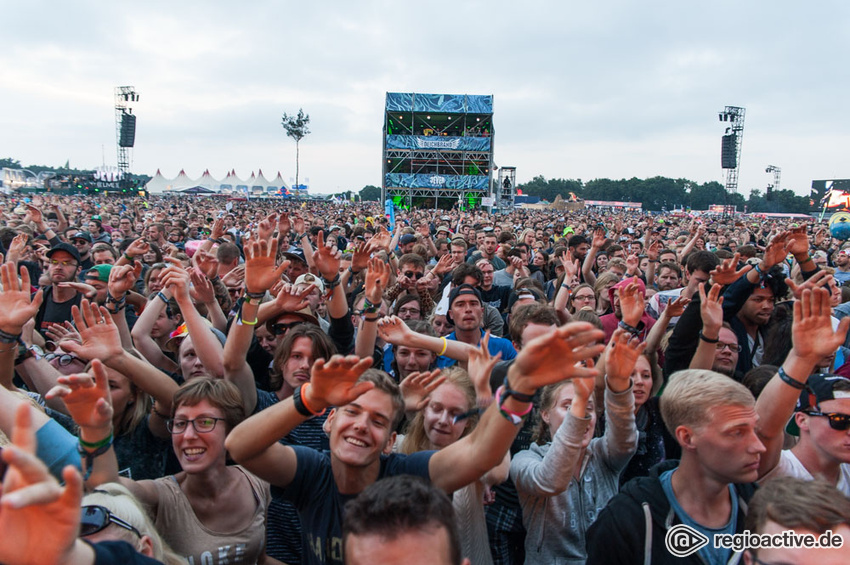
(730, 156)
(504, 191)
(125, 128)
(777, 175)
(437, 147)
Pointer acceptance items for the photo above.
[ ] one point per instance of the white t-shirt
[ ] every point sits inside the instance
(790, 466)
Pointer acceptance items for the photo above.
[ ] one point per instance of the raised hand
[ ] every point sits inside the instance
(361, 255)
(99, 334)
(711, 309)
(16, 304)
(122, 279)
(289, 299)
(479, 367)
(677, 307)
(234, 277)
(598, 241)
(620, 359)
(40, 520)
(653, 250)
(632, 264)
(138, 248)
(727, 272)
(382, 239)
(16, 248)
(334, 383)
(555, 357)
(377, 279)
(298, 224)
(327, 259)
(417, 387)
(632, 303)
(202, 290)
(811, 331)
(260, 270)
(821, 279)
(798, 241)
(393, 330)
(206, 262)
(176, 280)
(571, 268)
(265, 228)
(776, 252)
(284, 225)
(217, 229)
(62, 332)
(87, 398)
(36, 217)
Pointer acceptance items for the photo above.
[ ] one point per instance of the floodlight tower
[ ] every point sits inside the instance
(775, 186)
(730, 158)
(125, 128)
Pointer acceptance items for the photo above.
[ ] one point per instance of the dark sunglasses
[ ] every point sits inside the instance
(837, 420)
(95, 518)
(280, 329)
(412, 275)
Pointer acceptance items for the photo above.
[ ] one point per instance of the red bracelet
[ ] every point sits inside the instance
(304, 401)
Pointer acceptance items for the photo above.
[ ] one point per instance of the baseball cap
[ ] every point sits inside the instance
(310, 278)
(819, 388)
(295, 255)
(67, 248)
(306, 315)
(82, 235)
(99, 273)
(462, 290)
(407, 238)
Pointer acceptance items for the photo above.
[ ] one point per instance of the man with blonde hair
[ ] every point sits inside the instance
(713, 418)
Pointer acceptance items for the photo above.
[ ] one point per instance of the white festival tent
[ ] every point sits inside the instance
(257, 184)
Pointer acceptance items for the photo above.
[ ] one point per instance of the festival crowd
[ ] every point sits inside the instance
(213, 381)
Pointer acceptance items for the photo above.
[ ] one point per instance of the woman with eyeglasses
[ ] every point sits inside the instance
(209, 508)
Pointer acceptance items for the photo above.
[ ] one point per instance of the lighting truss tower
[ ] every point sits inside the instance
(776, 174)
(735, 116)
(505, 189)
(125, 127)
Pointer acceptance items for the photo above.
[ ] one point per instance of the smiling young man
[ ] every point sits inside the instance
(361, 427)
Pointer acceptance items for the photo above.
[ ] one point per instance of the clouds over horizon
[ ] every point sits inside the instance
(611, 89)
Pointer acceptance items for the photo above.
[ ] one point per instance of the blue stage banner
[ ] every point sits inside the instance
(476, 104)
(448, 143)
(409, 180)
(442, 103)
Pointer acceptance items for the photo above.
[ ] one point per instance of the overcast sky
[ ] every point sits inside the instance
(582, 89)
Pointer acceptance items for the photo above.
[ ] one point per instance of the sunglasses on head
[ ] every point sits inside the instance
(280, 329)
(412, 275)
(837, 420)
(95, 518)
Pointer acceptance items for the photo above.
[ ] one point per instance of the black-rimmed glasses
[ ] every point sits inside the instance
(202, 425)
(837, 420)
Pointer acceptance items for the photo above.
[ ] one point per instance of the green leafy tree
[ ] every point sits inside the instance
(370, 193)
(10, 163)
(296, 128)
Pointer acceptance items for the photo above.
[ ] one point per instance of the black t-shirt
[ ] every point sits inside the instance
(142, 455)
(52, 312)
(314, 493)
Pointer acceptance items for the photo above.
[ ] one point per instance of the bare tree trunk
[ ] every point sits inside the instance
(296, 165)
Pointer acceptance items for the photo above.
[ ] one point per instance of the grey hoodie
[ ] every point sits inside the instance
(557, 509)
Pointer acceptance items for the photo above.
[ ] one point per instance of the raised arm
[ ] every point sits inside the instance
(207, 346)
(87, 397)
(545, 360)
(260, 275)
(711, 313)
(394, 331)
(813, 340)
(17, 307)
(377, 277)
(254, 442)
(596, 244)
